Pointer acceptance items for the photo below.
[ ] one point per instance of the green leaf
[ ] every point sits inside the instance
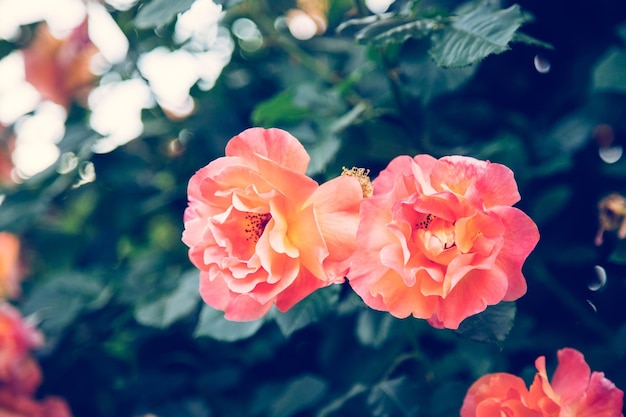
(373, 328)
(339, 402)
(398, 30)
(394, 397)
(529, 40)
(300, 394)
(362, 22)
(475, 35)
(213, 324)
(426, 80)
(550, 203)
(171, 307)
(609, 73)
(160, 12)
(307, 311)
(58, 302)
(619, 253)
(279, 109)
(492, 325)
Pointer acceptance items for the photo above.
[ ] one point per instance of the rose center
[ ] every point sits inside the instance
(432, 226)
(255, 225)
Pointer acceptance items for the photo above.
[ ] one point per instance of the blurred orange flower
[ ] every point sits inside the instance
(10, 269)
(264, 233)
(19, 372)
(26, 406)
(60, 68)
(440, 240)
(20, 375)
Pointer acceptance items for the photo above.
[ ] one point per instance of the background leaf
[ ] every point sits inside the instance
(492, 325)
(476, 34)
(313, 308)
(213, 324)
(160, 12)
(171, 307)
(609, 74)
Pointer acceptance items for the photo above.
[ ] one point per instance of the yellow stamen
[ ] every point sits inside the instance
(362, 175)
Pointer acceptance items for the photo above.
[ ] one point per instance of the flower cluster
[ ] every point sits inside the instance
(573, 391)
(438, 239)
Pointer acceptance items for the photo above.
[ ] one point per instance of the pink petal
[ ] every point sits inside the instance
(602, 399)
(497, 186)
(273, 144)
(337, 204)
(387, 180)
(237, 307)
(520, 238)
(571, 377)
(297, 187)
(305, 234)
(402, 301)
(456, 173)
(302, 286)
(478, 289)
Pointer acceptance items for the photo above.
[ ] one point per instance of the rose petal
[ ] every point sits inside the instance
(273, 144)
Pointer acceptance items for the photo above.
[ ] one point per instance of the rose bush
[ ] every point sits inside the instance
(574, 391)
(264, 233)
(440, 240)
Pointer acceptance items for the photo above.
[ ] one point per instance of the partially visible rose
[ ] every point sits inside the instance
(10, 269)
(264, 233)
(439, 239)
(60, 68)
(574, 391)
(496, 395)
(19, 372)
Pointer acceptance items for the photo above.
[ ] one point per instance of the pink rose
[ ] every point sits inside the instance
(264, 233)
(574, 392)
(440, 240)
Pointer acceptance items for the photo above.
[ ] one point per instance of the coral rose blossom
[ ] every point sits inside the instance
(264, 233)
(575, 391)
(440, 240)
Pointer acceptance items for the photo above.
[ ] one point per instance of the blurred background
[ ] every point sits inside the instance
(108, 107)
